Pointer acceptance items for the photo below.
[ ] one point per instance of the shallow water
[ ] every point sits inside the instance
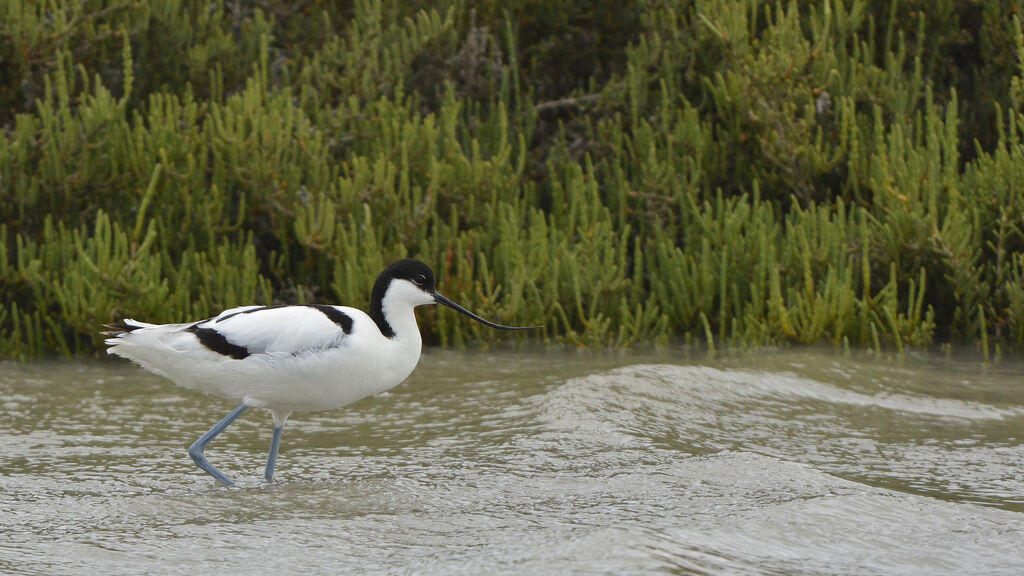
(520, 462)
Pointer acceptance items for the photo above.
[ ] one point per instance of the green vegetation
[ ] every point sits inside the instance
(729, 172)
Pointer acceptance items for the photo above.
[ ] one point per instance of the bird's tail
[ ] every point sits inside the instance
(121, 328)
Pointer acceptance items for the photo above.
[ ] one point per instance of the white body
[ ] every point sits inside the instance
(298, 358)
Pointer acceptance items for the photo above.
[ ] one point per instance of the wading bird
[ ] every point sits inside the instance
(292, 358)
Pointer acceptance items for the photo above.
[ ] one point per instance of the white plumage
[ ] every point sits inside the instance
(291, 358)
(295, 355)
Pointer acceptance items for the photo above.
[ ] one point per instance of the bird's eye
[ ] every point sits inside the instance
(419, 279)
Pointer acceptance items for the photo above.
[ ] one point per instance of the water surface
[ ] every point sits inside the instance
(518, 462)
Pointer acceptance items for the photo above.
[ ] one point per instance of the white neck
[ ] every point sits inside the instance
(402, 319)
(398, 308)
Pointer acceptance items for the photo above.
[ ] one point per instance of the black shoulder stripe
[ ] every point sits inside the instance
(337, 316)
(218, 343)
(250, 311)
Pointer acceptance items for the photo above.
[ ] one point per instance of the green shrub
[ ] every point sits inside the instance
(731, 172)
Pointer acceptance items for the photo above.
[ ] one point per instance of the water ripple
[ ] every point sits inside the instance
(795, 464)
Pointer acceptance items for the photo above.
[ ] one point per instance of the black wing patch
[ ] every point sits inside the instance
(249, 311)
(218, 343)
(337, 316)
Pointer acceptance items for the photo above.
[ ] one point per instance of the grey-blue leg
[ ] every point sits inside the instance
(196, 449)
(275, 443)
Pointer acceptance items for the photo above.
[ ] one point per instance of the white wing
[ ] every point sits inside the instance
(241, 332)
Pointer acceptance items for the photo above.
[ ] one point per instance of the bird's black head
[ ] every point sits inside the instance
(420, 275)
(407, 269)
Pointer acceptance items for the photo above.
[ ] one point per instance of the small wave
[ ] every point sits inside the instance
(948, 448)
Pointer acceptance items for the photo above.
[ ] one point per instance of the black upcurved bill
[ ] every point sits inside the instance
(442, 300)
